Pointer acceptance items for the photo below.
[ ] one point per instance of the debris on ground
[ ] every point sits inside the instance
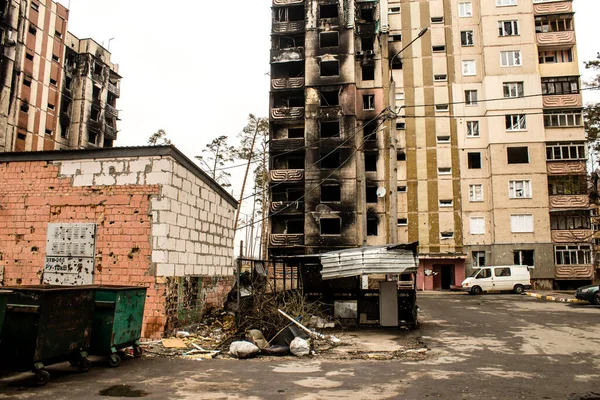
(173, 344)
(300, 347)
(256, 337)
(243, 350)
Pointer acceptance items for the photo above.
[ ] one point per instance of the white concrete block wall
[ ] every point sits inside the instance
(192, 229)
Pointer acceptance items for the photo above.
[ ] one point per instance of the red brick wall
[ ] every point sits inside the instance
(32, 195)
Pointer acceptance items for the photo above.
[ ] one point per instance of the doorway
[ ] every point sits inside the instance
(443, 277)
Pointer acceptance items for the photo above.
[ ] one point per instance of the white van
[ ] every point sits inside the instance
(515, 278)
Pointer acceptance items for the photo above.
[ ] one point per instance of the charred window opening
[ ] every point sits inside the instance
(92, 137)
(295, 163)
(289, 70)
(402, 221)
(401, 189)
(53, 82)
(50, 106)
(366, 43)
(330, 68)
(65, 106)
(401, 156)
(98, 68)
(371, 161)
(29, 56)
(517, 155)
(289, 42)
(24, 107)
(32, 30)
(68, 82)
(367, 14)
(372, 226)
(330, 98)
(55, 58)
(331, 193)
(368, 73)
(397, 63)
(290, 100)
(108, 142)
(48, 131)
(474, 160)
(294, 133)
(22, 136)
(329, 39)
(328, 11)
(371, 192)
(331, 226)
(64, 128)
(96, 93)
(288, 194)
(111, 99)
(368, 102)
(330, 129)
(396, 38)
(288, 227)
(330, 160)
(289, 14)
(95, 114)
(370, 132)
(27, 81)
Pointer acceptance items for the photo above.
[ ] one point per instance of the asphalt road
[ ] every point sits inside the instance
(486, 347)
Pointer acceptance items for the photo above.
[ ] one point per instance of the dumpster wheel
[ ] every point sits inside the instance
(114, 360)
(84, 364)
(137, 351)
(42, 377)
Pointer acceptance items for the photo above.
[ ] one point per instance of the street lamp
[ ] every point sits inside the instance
(423, 31)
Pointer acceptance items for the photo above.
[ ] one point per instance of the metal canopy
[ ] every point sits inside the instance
(387, 259)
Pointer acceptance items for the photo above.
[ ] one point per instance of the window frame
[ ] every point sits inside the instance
(511, 88)
(476, 257)
(466, 35)
(515, 122)
(515, 59)
(471, 97)
(465, 9)
(506, 3)
(471, 131)
(519, 223)
(514, 28)
(556, 151)
(469, 68)
(574, 251)
(517, 163)
(477, 225)
(476, 193)
(525, 188)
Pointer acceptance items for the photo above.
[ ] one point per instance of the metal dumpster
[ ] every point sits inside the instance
(117, 322)
(46, 325)
(3, 300)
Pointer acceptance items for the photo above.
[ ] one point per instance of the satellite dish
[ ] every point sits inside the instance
(381, 192)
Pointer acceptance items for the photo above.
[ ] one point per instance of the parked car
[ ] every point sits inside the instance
(515, 278)
(589, 293)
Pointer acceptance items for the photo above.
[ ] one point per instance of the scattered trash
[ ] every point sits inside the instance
(256, 337)
(285, 336)
(277, 350)
(313, 334)
(243, 349)
(174, 344)
(300, 347)
(320, 323)
(182, 334)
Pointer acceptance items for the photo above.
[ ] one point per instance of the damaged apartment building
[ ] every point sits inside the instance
(470, 141)
(57, 91)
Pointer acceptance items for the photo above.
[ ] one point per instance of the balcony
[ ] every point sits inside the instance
(279, 3)
(571, 236)
(288, 26)
(562, 101)
(551, 39)
(111, 111)
(287, 207)
(286, 144)
(97, 78)
(287, 55)
(286, 175)
(569, 201)
(287, 83)
(574, 272)
(561, 168)
(95, 125)
(552, 7)
(110, 132)
(287, 113)
(114, 89)
(286, 240)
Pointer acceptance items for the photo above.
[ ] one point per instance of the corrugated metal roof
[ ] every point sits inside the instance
(388, 259)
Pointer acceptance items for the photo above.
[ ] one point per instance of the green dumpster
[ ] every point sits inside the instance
(3, 299)
(46, 325)
(117, 321)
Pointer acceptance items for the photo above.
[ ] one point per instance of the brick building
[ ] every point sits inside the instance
(144, 216)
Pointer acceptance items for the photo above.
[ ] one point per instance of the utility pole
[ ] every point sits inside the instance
(237, 215)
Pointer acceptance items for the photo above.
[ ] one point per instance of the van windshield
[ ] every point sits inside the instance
(475, 273)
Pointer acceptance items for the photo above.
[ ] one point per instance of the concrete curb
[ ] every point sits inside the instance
(556, 299)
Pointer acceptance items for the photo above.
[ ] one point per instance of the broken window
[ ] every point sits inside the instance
(96, 93)
(295, 133)
(329, 39)
(401, 189)
(55, 58)
(32, 30)
(330, 129)
(371, 192)
(366, 43)
(29, 56)
(474, 160)
(400, 126)
(48, 131)
(402, 221)
(68, 82)
(367, 15)
(95, 114)
(370, 131)
(295, 163)
(24, 106)
(368, 73)
(396, 38)
(27, 81)
(295, 226)
(328, 11)
(330, 98)
(331, 226)
(53, 82)
(288, 42)
(368, 102)
(330, 160)
(92, 137)
(98, 68)
(438, 48)
(330, 68)
(371, 161)
(331, 193)
(517, 155)
(523, 257)
(397, 63)
(50, 106)
(401, 156)
(289, 14)
(372, 226)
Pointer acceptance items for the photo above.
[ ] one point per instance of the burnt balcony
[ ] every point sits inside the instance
(286, 240)
(289, 54)
(287, 113)
(111, 111)
(552, 39)
(114, 89)
(286, 144)
(279, 3)
(287, 83)
(571, 236)
(286, 175)
(562, 100)
(110, 132)
(288, 26)
(569, 201)
(548, 7)
(561, 168)
(97, 77)
(287, 207)
(95, 126)
(574, 272)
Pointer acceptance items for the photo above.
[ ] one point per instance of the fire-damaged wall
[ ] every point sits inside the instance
(160, 223)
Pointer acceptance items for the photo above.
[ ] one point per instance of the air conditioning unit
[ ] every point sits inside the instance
(369, 53)
(360, 53)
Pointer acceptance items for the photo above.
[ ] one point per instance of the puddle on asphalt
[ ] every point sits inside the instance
(122, 391)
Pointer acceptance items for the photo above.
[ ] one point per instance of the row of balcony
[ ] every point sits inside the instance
(288, 26)
(562, 100)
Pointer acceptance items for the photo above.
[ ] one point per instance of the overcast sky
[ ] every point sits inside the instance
(197, 68)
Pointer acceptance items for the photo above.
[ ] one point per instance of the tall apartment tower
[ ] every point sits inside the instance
(469, 141)
(51, 82)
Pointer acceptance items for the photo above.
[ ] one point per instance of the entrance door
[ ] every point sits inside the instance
(447, 276)
(437, 277)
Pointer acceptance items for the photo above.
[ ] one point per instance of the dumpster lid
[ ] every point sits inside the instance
(48, 288)
(120, 288)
